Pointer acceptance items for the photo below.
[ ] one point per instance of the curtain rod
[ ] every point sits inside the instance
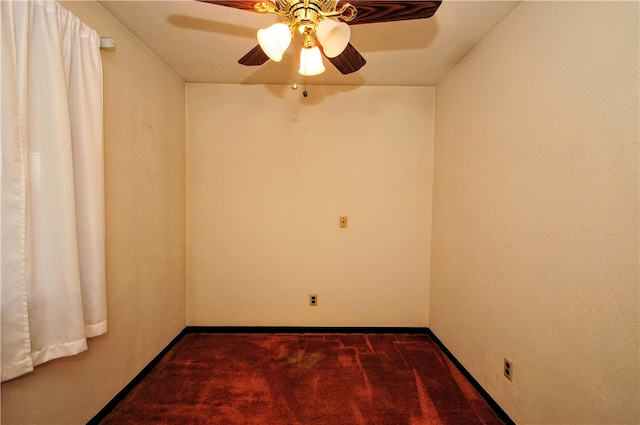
(107, 42)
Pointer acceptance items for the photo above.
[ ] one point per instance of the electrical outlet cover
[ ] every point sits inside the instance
(508, 369)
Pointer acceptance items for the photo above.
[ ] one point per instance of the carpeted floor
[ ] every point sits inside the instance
(304, 379)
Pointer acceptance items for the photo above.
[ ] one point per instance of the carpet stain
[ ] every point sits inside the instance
(306, 361)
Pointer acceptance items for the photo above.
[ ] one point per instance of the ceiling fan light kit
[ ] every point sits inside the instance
(275, 40)
(325, 28)
(333, 36)
(310, 19)
(311, 62)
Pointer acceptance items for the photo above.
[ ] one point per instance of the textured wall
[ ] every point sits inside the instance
(145, 222)
(270, 172)
(535, 240)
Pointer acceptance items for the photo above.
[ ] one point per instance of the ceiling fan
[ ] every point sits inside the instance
(322, 24)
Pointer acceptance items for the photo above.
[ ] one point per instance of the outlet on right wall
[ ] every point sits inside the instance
(535, 213)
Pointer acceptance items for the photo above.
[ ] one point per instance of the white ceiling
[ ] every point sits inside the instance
(202, 42)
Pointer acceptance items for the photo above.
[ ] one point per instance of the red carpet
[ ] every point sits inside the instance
(304, 379)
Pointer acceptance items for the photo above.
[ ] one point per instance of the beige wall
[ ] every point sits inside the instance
(145, 215)
(535, 241)
(269, 174)
(535, 215)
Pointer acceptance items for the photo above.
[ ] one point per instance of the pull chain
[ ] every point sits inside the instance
(294, 85)
(304, 93)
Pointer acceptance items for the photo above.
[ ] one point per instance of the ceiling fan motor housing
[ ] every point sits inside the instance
(287, 6)
(304, 15)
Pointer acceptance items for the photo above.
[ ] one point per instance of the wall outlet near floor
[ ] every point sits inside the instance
(313, 300)
(508, 369)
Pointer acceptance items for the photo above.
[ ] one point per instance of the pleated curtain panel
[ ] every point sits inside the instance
(52, 178)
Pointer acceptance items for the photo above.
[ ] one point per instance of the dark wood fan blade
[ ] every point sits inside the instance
(256, 56)
(348, 61)
(373, 11)
(238, 4)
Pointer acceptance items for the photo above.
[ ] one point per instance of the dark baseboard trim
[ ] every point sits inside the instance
(485, 395)
(303, 329)
(131, 385)
(298, 329)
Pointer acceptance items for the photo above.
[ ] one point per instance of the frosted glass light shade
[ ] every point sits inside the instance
(274, 40)
(333, 36)
(311, 62)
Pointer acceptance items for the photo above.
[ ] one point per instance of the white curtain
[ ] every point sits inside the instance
(53, 293)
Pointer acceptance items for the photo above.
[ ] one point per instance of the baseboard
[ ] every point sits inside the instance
(485, 395)
(298, 329)
(306, 329)
(131, 385)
